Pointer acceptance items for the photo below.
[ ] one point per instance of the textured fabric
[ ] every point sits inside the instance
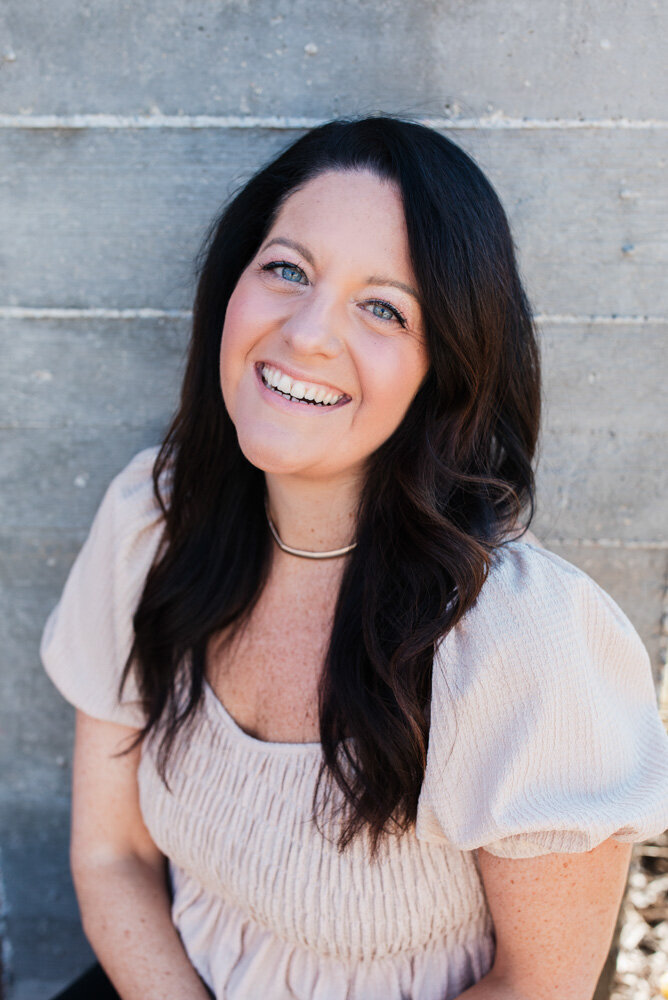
(545, 736)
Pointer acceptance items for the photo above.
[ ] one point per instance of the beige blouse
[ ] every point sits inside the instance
(545, 737)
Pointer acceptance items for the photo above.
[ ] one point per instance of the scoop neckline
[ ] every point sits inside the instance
(268, 746)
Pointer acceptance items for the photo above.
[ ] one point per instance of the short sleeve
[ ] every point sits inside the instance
(545, 733)
(88, 635)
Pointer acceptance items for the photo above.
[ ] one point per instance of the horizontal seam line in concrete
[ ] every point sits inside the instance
(659, 545)
(91, 312)
(285, 122)
(607, 543)
(147, 312)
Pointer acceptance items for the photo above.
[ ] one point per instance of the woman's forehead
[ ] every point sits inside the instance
(352, 211)
(344, 186)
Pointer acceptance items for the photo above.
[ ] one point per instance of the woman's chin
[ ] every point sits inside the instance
(274, 459)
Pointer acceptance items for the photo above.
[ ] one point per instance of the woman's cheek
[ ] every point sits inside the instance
(237, 316)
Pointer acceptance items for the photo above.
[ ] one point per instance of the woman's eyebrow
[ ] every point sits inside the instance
(373, 279)
(299, 247)
(377, 279)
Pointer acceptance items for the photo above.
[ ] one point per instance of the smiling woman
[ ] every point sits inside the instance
(317, 324)
(345, 730)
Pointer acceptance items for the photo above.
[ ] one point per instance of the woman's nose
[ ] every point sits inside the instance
(315, 327)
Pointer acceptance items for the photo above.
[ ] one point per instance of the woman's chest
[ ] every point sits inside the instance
(267, 677)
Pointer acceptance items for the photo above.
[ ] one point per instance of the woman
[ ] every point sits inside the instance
(343, 728)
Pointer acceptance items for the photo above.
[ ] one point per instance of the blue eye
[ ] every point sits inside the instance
(382, 312)
(289, 272)
(387, 312)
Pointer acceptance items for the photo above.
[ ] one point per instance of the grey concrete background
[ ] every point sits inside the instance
(562, 103)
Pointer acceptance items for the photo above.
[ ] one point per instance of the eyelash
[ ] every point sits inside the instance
(399, 317)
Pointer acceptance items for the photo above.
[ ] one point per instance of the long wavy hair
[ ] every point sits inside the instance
(439, 496)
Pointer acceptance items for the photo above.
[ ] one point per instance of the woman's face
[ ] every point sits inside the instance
(325, 312)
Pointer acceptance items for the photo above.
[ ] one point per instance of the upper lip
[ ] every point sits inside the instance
(299, 376)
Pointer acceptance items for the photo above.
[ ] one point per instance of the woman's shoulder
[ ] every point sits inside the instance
(88, 634)
(526, 572)
(133, 484)
(537, 611)
(545, 733)
(130, 507)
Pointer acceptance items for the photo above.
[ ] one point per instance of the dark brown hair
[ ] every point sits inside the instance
(439, 496)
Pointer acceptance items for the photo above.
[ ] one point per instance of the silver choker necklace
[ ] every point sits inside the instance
(304, 553)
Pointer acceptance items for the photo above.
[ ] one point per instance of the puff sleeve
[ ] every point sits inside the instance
(545, 734)
(88, 635)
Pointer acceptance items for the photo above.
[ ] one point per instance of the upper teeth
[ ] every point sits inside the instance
(300, 390)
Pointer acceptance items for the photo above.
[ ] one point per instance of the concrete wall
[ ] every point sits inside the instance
(125, 125)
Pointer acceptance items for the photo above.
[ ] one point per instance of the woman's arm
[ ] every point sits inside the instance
(554, 917)
(491, 988)
(120, 875)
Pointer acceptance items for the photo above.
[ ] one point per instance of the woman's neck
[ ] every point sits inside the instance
(313, 515)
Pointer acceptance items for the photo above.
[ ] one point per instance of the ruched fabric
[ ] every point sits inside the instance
(267, 905)
(544, 736)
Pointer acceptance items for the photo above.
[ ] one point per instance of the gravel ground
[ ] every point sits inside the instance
(642, 964)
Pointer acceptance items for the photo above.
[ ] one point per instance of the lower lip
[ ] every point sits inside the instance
(286, 404)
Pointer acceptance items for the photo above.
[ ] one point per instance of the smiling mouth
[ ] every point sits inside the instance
(295, 391)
